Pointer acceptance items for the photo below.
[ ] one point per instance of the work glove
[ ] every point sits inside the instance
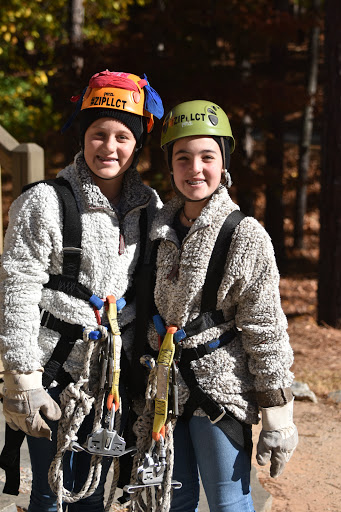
(278, 438)
(23, 399)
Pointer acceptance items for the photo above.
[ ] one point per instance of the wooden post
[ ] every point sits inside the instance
(1, 226)
(27, 166)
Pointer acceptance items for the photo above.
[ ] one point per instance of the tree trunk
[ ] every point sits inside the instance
(307, 131)
(75, 66)
(274, 212)
(329, 285)
(76, 16)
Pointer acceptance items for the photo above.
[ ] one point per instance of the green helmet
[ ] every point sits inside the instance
(198, 117)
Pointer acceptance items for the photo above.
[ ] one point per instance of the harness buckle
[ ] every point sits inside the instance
(44, 317)
(72, 250)
(218, 418)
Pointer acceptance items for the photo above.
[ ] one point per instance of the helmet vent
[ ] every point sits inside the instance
(212, 118)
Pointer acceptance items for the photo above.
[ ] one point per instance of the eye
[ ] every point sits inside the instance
(99, 135)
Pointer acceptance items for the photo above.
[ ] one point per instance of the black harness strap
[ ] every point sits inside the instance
(216, 266)
(224, 419)
(69, 333)
(209, 315)
(10, 459)
(145, 306)
(198, 398)
(193, 354)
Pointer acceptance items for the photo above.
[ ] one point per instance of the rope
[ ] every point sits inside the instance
(142, 499)
(76, 403)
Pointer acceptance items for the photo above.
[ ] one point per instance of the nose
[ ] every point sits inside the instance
(111, 144)
(197, 165)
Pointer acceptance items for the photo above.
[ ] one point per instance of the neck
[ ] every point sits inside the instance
(111, 189)
(191, 211)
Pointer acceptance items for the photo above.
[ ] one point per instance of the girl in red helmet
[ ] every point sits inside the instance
(51, 294)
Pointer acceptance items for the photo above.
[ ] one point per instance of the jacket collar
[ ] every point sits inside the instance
(218, 207)
(134, 193)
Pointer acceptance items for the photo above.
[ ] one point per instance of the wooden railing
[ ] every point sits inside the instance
(24, 162)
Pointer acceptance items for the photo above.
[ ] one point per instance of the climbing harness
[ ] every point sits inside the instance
(77, 399)
(106, 441)
(179, 358)
(101, 442)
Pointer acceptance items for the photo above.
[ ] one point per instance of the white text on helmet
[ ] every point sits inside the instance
(108, 101)
(193, 117)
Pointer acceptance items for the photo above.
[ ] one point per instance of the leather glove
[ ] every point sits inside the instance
(278, 438)
(23, 399)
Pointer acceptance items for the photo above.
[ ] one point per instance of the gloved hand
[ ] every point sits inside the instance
(23, 399)
(278, 438)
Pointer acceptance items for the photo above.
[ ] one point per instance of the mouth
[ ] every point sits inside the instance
(107, 159)
(195, 182)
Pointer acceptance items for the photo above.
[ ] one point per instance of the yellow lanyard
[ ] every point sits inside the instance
(164, 362)
(114, 395)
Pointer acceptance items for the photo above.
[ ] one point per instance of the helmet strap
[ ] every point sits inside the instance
(223, 150)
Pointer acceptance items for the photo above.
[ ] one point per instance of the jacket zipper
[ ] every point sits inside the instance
(174, 273)
(121, 244)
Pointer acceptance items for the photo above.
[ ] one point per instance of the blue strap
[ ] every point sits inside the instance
(159, 325)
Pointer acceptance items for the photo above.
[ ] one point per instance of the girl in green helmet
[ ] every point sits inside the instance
(236, 364)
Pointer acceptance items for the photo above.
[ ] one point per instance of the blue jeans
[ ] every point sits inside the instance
(224, 468)
(76, 467)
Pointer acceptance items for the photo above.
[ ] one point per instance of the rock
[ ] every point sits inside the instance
(301, 391)
(335, 396)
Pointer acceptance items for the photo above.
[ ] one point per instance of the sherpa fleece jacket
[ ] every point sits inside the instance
(33, 251)
(257, 361)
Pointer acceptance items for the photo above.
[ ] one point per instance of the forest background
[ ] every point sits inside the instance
(274, 66)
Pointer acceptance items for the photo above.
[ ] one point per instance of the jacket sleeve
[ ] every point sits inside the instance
(34, 225)
(259, 315)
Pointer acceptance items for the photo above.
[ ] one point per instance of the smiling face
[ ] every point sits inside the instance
(109, 148)
(197, 167)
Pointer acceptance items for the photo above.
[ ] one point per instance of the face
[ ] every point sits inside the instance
(197, 166)
(108, 148)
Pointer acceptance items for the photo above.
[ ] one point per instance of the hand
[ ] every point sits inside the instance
(278, 438)
(23, 399)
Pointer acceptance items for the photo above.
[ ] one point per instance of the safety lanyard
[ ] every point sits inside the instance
(164, 362)
(114, 396)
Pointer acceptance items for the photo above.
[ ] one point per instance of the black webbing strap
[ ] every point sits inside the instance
(72, 228)
(67, 285)
(145, 307)
(216, 266)
(193, 354)
(69, 333)
(204, 321)
(210, 316)
(198, 398)
(10, 459)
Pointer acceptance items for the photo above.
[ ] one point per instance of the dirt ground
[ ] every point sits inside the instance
(312, 479)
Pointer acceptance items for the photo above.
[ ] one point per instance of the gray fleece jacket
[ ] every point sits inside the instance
(33, 251)
(257, 362)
